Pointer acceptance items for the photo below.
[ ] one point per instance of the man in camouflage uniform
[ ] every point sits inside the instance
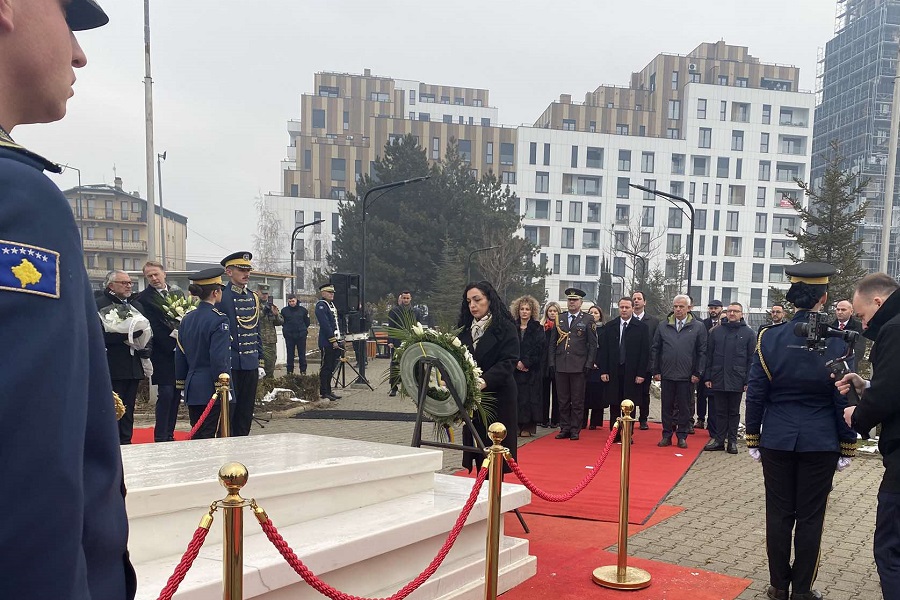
(270, 318)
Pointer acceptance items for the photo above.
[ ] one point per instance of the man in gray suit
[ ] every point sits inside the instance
(573, 344)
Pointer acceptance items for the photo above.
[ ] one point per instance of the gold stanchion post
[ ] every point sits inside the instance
(234, 477)
(620, 576)
(223, 388)
(497, 432)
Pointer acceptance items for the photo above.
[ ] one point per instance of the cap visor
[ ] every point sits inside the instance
(82, 15)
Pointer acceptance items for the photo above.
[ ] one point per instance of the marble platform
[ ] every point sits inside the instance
(366, 517)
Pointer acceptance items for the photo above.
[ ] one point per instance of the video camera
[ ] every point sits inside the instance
(817, 330)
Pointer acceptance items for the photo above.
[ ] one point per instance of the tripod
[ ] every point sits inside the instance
(340, 373)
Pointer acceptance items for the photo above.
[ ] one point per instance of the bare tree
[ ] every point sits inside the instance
(267, 241)
(639, 245)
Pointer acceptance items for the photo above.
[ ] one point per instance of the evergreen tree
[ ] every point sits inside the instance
(446, 294)
(659, 303)
(605, 287)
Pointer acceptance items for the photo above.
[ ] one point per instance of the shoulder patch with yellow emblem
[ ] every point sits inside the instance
(29, 269)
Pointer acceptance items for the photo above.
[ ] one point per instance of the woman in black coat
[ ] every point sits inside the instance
(593, 386)
(549, 402)
(488, 331)
(528, 374)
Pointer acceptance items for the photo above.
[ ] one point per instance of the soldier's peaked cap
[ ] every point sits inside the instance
(238, 259)
(85, 14)
(814, 273)
(575, 294)
(211, 276)
(326, 287)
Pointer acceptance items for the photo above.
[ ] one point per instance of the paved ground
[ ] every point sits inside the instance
(722, 526)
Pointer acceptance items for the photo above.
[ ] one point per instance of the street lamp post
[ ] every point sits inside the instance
(297, 230)
(162, 212)
(384, 188)
(469, 261)
(690, 246)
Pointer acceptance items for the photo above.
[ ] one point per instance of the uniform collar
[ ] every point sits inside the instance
(6, 141)
(238, 289)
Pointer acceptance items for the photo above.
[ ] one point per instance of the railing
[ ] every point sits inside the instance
(115, 245)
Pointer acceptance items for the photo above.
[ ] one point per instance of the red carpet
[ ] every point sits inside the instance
(568, 551)
(556, 466)
(144, 435)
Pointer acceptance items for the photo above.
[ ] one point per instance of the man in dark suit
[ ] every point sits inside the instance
(152, 298)
(844, 319)
(643, 400)
(573, 345)
(624, 357)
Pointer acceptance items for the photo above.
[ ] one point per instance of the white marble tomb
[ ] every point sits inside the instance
(366, 517)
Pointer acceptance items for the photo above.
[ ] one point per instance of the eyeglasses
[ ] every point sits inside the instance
(124, 282)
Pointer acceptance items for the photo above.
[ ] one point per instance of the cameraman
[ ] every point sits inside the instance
(879, 308)
(794, 427)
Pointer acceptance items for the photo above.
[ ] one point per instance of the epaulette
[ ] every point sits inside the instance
(219, 312)
(7, 142)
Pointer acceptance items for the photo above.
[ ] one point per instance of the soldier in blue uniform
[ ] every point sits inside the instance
(203, 351)
(329, 340)
(795, 427)
(242, 307)
(65, 444)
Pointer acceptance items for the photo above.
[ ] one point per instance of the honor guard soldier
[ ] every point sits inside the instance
(243, 310)
(329, 340)
(66, 445)
(795, 427)
(203, 351)
(573, 345)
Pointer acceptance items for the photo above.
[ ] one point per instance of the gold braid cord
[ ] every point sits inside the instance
(563, 335)
(120, 406)
(762, 361)
(250, 322)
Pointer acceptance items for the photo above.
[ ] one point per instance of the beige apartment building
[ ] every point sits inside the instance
(113, 228)
(346, 123)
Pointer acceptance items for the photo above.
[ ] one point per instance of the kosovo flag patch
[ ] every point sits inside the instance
(29, 269)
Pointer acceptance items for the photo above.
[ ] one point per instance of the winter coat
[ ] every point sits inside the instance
(729, 352)
(679, 355)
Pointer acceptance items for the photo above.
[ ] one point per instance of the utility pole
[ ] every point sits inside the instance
(149, 152)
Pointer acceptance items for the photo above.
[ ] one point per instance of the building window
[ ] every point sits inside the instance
(621, 129)
(718, 193)
(465, 150)
(338, 169)
(591, 265)
(477, 102)
(767, 114)
(694, 78)
(740, 82)
(346, 120)
(436, 148)
(704, 194)
(448, 119)
(759, 248)
(328, 91)
(622, 189)
(624, 160)
(732, 220)
(673, 243)
(648, 216)
(700, 219)
(722, 166)
(539, 236)
(574, 212)
(737, 140)
(675, 217)
(651, 184)
(593, 212)
(761, 222)
(318, 118)
(700, 166)
(592, 127)
(568, 238)
(760, 196)
(732, 247)
(590, 239)
(559, 210)
(693, 192)
(573, 264)
(507, 153)
(723, 110)
(723, 79)
(727, 272)
(674, 109)
(758, 273)
(489, 153)
(647, 160)
(674, 80)
(568, 124)
(537, 209)
(701, 108)
(485, 122)
(532, 153)
(542, 182)
(623, 212)
(546, 154)
(508, 178)
(765, 170)
(678, 164)
(673, 133)
(705, 140)
(782, 224)
(740, 112)
(574, 157)
(594, 158)
(792, 145)
(295, 190)
(764, 142)
(756, 295)
(424, 116)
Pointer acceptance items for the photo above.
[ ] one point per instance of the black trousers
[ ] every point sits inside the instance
(643, 401)
(728, 415)
(167, 400)
(127, 390)
(550, 399)
(571, 401)
(676, 404)
(210, 427)
(797, 487)
(298, 345)
(244, 384)
(887, 544)
(326, 369)
(593, 397)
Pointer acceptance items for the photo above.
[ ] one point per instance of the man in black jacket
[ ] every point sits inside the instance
(643, 403)
(879, 308)
(402, 316)
(125, 368)
(295, 331)
(162, 355)
(843, 319)
(729, 351)
(624, 358)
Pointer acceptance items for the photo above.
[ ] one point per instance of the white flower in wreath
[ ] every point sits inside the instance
(456, 343)
(417, 329)
(477, 372)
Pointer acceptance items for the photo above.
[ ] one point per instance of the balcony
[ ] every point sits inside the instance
(114, 246)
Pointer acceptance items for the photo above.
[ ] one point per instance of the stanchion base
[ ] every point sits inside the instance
(635, 579)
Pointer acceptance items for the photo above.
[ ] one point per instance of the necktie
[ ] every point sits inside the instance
(571, 318)
(622, 342)
(165, 293)
(841, 326)
(678, 325)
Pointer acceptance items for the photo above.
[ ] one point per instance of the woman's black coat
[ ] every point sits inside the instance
(532, 348)
(497, 354)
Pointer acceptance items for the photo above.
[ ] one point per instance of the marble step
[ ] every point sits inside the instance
(369, 551)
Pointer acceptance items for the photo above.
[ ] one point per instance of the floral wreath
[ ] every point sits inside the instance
(417, 341)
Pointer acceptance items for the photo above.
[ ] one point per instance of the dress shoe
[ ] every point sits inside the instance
(773, 593)
(691, 430)
(525, 434)
(701, 424)
(554, 424)
(392, 393)
(810, 595)
(644, 426)
(732, 448)
(592, 427)
(562, 435)
(713, 446)
(544, 425)
(333, 397)
(682, 443)
(573, 437)
(664, 442)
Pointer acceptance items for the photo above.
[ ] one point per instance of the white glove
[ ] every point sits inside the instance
(842, 463)
(754, 454)
(262, 372)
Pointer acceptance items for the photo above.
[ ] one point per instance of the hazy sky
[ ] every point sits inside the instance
(228, 76)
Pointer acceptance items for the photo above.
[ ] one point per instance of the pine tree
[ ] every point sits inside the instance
(446, 294)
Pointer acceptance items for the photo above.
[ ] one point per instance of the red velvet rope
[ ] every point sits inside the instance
(185, 565)
(199, 424)
(323, 588)
(574, 491)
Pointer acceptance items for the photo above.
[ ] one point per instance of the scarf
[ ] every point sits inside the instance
(478, 328)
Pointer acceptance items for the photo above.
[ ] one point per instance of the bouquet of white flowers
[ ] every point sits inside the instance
(175, 306)
(127, 320)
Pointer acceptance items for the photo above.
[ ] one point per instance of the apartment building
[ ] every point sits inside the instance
(113, 228)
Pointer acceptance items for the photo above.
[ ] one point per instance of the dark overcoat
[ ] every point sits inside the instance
(532, 348)
(496, 355)
(122, 363)
(162, 354)
(637, 358)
